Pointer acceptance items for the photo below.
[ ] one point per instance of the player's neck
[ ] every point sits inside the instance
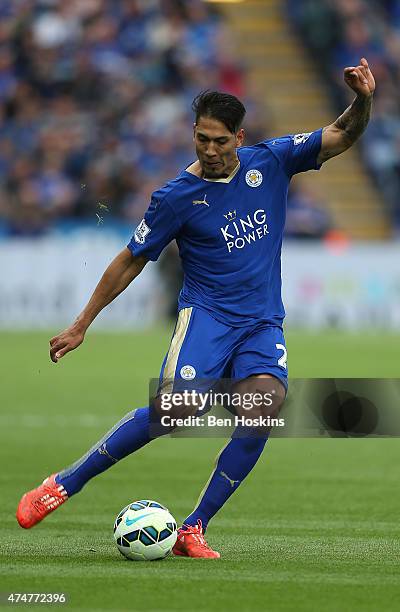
(197, 170)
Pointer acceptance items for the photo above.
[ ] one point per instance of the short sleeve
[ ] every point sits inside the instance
(159, 226)
(297, 152)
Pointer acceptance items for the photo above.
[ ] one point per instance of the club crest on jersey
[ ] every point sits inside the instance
(141, 232)
(301, 138)
(254, 178)
(188, 372)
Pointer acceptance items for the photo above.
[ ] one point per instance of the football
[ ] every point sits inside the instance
(145, 531)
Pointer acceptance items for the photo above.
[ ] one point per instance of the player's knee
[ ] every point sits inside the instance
(261, 397)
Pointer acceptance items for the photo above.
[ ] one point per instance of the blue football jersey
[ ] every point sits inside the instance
(229, 231)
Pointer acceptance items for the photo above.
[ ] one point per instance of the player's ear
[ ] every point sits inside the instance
(194, 130)
(240, 137)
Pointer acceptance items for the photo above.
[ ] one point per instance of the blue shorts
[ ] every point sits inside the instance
(204, 350)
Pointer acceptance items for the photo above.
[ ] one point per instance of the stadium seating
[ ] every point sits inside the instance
(95, 105)
(95, 102)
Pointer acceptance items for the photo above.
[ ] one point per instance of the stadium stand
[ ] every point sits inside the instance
(95, 104)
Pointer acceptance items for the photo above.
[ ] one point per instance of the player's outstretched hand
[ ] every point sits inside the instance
(360, 78)
(66, 341)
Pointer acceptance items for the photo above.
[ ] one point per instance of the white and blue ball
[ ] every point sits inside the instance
(145, 531)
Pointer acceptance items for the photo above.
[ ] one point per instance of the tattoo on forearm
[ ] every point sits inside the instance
(355, 118)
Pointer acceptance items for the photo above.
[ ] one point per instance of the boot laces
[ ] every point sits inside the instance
(197, 533)
(51, 498)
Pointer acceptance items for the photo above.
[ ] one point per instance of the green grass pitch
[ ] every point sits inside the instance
(314, 527)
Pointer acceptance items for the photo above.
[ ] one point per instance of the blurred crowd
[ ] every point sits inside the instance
(339, 33)
(95, 104)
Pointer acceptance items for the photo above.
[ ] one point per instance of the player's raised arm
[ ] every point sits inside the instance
(119, 274)
(341, 134)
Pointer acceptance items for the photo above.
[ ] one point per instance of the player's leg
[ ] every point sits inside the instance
(203, 360)
(139, 427)
(131, 433)
(234, 462)
(261, 354)
(134, 431)
(127, 436)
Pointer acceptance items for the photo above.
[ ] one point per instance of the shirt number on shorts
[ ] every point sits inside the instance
(282, 361)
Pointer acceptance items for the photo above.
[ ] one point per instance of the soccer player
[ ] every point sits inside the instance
(227, 213)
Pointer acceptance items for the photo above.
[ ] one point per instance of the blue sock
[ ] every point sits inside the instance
(128, 435)
(234, 462)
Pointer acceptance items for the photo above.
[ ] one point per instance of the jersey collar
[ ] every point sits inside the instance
(220, 180)
(227, 179)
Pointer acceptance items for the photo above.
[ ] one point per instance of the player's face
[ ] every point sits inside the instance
(216, 147)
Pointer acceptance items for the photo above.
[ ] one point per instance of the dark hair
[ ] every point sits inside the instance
(221, 106)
